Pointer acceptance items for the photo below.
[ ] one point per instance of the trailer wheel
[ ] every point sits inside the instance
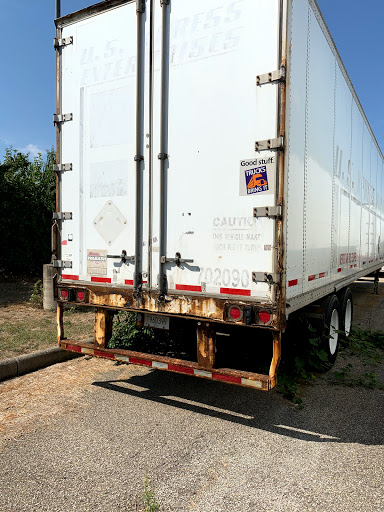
(331, 327)
(346, 307)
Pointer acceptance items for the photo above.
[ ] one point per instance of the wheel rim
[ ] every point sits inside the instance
(348, 317)
(333, 332)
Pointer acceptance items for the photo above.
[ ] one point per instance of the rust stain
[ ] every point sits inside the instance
(185, 306)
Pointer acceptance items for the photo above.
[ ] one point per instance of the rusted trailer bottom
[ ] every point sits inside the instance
(204, 368)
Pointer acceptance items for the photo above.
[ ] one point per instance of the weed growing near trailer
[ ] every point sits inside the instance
(366, 347)
(150, 502)
(37, 294)
(306, 360)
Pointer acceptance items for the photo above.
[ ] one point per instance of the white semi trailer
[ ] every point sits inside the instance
(214, 165)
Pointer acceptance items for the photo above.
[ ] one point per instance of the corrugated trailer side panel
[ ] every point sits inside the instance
(333, 202)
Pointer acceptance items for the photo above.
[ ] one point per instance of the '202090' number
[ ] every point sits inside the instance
(224, 277)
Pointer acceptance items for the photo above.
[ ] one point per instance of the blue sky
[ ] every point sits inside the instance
(27, 60)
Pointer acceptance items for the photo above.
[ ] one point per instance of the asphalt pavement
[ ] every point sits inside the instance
(206, 447)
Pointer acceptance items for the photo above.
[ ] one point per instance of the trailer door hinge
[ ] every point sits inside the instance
(62, 118)
(273, 76)
(61, 264)
(58, 43)
(266, 277)
(270, 144)
(62, 215)
(140, 6)
(62, 167)
(268, 211)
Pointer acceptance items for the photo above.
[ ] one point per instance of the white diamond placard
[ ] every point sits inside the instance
(110, 222)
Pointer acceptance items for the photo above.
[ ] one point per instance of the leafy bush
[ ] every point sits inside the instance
(127, 335)
(180, 342)
(27, 196)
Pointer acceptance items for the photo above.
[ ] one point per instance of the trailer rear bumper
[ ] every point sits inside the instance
(240, 378)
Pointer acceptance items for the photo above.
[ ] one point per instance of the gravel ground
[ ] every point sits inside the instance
(91, 430)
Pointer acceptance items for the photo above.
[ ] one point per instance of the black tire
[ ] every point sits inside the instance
(331, 326)
(346, 311)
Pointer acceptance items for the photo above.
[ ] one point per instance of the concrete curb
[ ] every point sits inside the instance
(15, 366)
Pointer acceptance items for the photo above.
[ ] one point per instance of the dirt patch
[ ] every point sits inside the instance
(33, 401)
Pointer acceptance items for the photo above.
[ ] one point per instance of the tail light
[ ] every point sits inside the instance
(80, 295)
(265, 317)
(64, 294)
(235, 313)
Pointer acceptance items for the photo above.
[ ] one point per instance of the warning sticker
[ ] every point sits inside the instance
(257, 176)
(96, 262)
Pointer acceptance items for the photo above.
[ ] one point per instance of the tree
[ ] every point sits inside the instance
(27, 199)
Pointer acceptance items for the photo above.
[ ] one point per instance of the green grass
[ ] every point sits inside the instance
(29, 332)
(21, 338)
(303, 362)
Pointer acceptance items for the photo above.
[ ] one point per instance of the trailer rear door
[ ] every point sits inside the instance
(209, 54)
(99, 88)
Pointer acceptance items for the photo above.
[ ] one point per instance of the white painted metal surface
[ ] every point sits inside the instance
(99, 85)
(216, 114)
(333, 206)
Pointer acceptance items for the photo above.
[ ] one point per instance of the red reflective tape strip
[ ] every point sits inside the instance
(350, 266)
(311, 278)
(64, 242)
(226, 378)
(339, 269)
(70, 276)
(100, 353)
(136, 360)
(355, 265)
(294, 282)
(129, 281)
(73, 348)
(181, 369)
(364, 262)
(188, 288)
(100, 279)
(234, 291)
(323, 274)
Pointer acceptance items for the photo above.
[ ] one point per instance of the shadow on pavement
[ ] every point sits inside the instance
(331, 414)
